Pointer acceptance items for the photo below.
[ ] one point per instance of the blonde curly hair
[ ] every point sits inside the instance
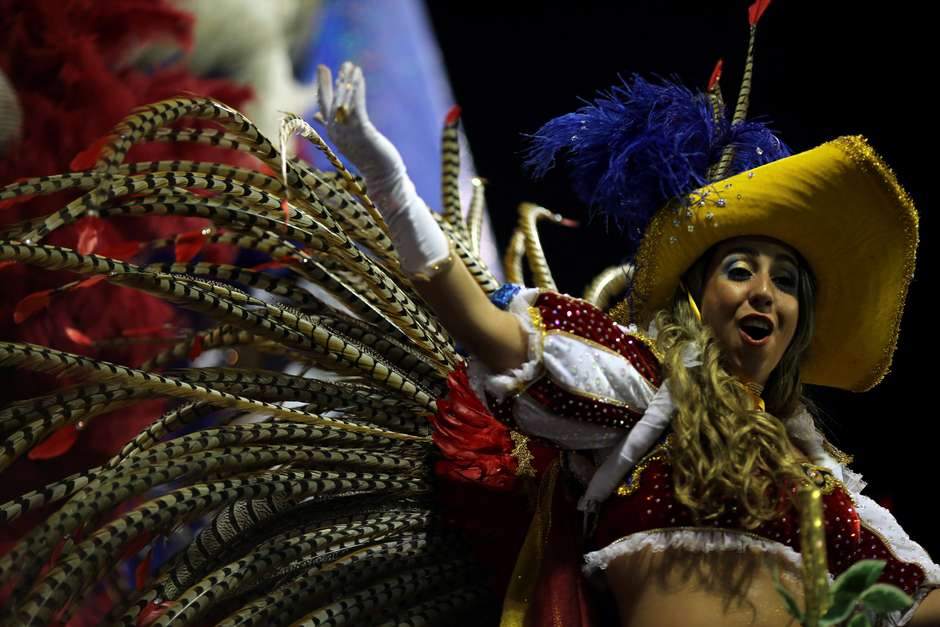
(727, 454)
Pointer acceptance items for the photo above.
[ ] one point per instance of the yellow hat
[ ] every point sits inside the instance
(841, 207)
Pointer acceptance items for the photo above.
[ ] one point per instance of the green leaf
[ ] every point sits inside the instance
(883, 598)
(849, 586)
(788, 599)
(859, 620)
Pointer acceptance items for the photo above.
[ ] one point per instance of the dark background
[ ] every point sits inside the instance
(821, 70)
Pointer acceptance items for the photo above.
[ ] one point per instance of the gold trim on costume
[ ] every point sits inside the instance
(861, 152)
(435, 269)
(659, 453)
(523, 455)
(885, 542)
(840, 456)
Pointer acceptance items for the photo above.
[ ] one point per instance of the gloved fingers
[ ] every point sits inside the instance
(357, 96)
(341, 92)
(324, 94)
(347, 106)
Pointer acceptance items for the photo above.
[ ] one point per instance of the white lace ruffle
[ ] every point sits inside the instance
(802, 430)
(905, 549)
(695, 540)
(501, 385)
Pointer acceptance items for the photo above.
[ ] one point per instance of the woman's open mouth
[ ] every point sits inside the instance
(755, 331)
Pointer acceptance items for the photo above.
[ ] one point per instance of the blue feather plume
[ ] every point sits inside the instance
(641, 144)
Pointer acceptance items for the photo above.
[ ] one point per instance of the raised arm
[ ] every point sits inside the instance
(492, 335)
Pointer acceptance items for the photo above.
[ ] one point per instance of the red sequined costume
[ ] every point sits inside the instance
(587, 380)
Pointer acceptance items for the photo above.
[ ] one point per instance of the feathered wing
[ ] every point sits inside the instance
(298, 497)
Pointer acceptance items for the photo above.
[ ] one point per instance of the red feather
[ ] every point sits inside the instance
(37, 301)
(285, 207)
(57, 444)
(9, 202)
(123, 250)
(78, 337)
(196, 349)
(756, 10)
(143, 331)
(142, 571)
(269, 265)
(716, 75)
(152, 612)
(89, 229)
(453, 115)
(133, 547)
(188, 245)
(8, 262)
(86, 159)
(98, 278)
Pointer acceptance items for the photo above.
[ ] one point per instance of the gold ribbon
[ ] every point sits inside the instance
(525, 574)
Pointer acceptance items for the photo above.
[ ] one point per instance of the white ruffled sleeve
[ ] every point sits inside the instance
(499, 385)
(575, 386)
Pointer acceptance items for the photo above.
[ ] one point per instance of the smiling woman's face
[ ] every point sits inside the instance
(749, 299)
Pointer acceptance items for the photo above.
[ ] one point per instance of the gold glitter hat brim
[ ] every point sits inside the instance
(841, 207)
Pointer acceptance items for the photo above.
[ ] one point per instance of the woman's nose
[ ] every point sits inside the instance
(761, 294)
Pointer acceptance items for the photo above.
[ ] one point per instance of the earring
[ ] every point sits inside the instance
(692, 304)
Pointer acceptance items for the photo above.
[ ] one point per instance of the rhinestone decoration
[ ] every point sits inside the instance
(504, 295)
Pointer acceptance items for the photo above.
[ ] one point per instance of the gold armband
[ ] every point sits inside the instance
(436, 268)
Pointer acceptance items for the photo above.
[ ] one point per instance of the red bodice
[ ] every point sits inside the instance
(646, 501)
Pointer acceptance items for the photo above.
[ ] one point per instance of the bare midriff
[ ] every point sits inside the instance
(694, 589)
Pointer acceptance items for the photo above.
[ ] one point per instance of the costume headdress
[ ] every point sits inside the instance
(666, 164)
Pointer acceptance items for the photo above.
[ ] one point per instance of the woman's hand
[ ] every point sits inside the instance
(491, 334)
(421, 245)
(343, 112)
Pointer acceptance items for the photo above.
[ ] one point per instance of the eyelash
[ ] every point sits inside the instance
(742, 273)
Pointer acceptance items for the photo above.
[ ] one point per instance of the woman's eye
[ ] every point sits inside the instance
(786, 281)
(739, 273)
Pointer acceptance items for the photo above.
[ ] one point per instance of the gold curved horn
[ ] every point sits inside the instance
(512, 261)
(608, 284)
(529, 215)
(475, 215)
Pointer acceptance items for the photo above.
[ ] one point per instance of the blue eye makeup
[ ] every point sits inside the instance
(737, 269)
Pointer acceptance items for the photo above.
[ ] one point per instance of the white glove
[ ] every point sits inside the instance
(421, 244)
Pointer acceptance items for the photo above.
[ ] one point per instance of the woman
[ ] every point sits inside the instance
(323, 512)
(726, 280)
